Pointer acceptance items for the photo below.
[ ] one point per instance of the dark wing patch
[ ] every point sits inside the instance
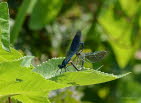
(74, 45)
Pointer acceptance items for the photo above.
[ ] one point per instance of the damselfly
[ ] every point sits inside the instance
(75, 48)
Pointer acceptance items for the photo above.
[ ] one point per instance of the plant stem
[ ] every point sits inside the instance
(9, 100)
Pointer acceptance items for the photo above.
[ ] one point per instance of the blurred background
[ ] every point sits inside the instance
(45, 28)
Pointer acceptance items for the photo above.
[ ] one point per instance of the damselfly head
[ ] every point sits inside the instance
(61, 66)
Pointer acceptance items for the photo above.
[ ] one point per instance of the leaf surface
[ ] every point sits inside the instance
(44, 12)
(23, 84)
(73, 77)
(4, 26)
(118, 31)
(9, 56)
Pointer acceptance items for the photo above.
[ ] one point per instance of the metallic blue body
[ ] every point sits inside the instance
(74, 48)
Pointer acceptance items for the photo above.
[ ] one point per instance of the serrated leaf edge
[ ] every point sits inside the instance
(49, 60)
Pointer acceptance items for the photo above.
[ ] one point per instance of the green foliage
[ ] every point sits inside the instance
(21, 81)
(4, 26)
(72, 77)
(119, 33)
(130, 90)
(44, 12)
(19, 20)
(85, 77)
(23, 84)
(17, 80)
(130, 7)
(9, 56)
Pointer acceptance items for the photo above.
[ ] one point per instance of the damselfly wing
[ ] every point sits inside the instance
(95, 56)
(90, 57)
(74, 49)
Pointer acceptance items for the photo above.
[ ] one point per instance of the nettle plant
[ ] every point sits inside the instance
(20, 80)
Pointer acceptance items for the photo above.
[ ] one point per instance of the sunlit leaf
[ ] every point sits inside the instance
(4, 26)
(23, 84)
(85, 77)
(131, 7)
(49, 69)
(118, 31)
(9, 56)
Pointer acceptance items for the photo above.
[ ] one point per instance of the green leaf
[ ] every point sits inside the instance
(4, 26)
(27, 61)
(131, 7)
(26, 85)
(49, 69)
(44, 12)
(86, 77)
(119, 32)
(139, 14)
(31, 6)
(4, 98)
(9, 56)
(20, 19)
